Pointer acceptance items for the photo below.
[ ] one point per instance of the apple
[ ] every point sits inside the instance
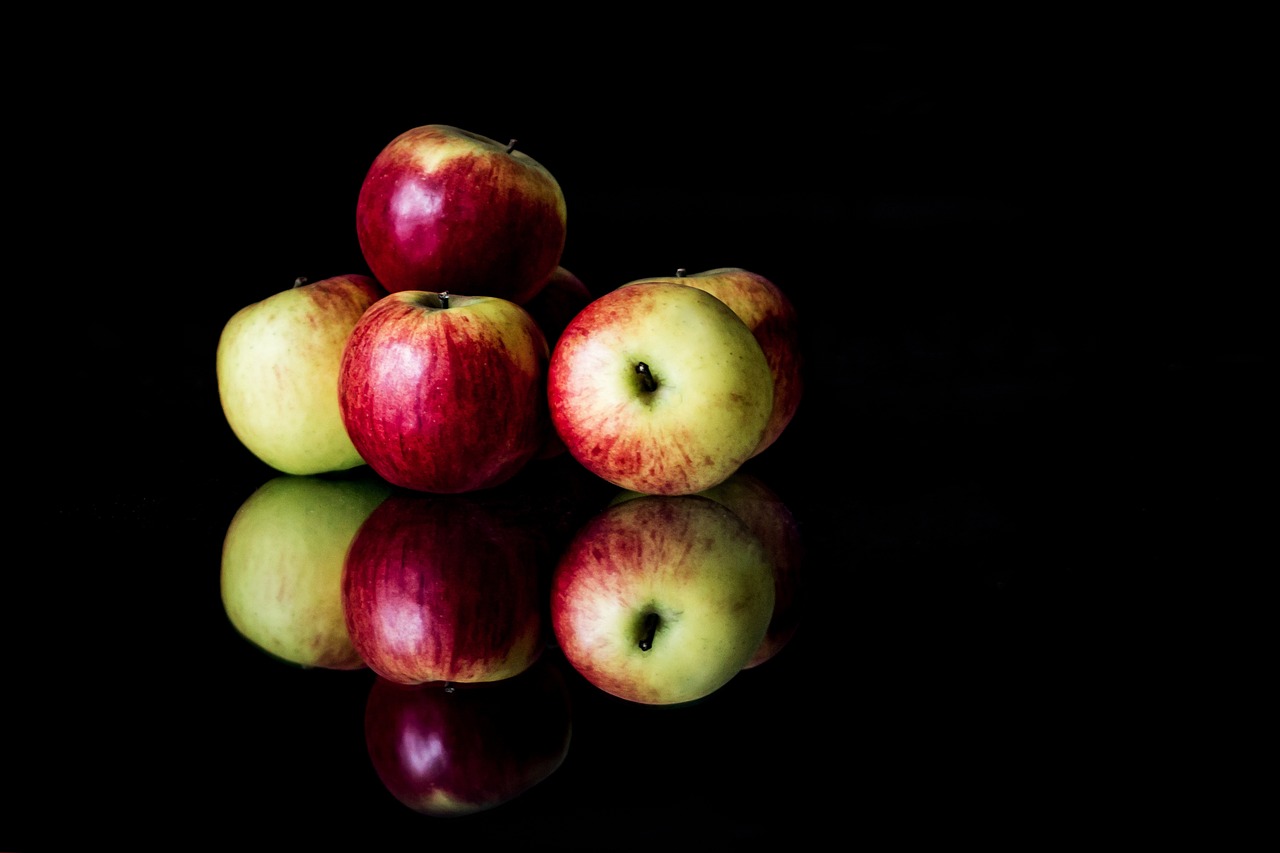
(771, 317)
(277, 372)
(441, 588)
(442, 208)
(558, 302)
(449, 750)
(282, 561)
(662, 599)
(445, 393)
(773, 522)
(659, 387)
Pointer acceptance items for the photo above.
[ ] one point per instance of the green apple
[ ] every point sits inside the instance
(659, 387)
(662, 599)
(277, 370)
(282, 563)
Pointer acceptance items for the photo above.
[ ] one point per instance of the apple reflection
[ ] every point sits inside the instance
(282, 563)
(449, 750)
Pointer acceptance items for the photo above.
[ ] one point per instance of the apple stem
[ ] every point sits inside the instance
(511, 146)
(646, 378)
(680, 272)
(300, 281)
(444, 299)
(650, 627)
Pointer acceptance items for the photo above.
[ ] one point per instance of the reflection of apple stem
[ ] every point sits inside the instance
(511, 146)
(444, 299)
(650, 627)
(646, 378)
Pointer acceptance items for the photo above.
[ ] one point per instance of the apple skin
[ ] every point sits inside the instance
(277, 372)
(558, 302)
(771, 317)
(704, 417)
(687, 562)
(282, 561)
(455, 750)
(442, 208)
(441, 588)
(773, 522)
(445, 399)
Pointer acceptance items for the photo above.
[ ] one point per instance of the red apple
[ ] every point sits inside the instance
(445, 393)
(445, 209)
(558, 302)
(440, 588)
(771, 317)
(453, 750)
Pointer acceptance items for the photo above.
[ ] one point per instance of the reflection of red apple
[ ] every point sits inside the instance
(439, 588)
(452, 750)
(771, 520)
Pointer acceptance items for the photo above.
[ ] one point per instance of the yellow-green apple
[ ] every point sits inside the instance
(662, 599)
(277, 372)
(771, 317)
(440, 588)
(660, 387)
(443, 392)
(442, 208)
(773, 522)
(558, 302)
(282, 562)
(449, 750)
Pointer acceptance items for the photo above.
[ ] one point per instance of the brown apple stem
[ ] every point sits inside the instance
(300, 281)
(511, 146)
(647, 381)
(650, 627)
(444, 299)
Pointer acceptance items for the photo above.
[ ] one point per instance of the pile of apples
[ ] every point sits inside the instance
(470, 353)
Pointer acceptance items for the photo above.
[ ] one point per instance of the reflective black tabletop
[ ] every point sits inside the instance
(1016, 434)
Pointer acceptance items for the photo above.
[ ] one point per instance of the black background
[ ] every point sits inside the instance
(1034, 365)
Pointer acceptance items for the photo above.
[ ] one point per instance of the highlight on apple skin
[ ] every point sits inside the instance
(662, 599)
(448, 750)
(441, 208)
(439, 588)
(277, 370)
(282, 562)
(445, 393)
(659, 387)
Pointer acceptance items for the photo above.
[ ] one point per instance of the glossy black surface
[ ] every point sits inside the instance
(1033, 389)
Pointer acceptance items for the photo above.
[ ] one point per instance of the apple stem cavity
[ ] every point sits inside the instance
(647, 382)
(650, 628)
(511, 146)
(444, 299)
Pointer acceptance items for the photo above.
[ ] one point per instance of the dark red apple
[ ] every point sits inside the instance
(558, 302)
(453, 750)
(443, 208)
(445, 393)
(440, 588)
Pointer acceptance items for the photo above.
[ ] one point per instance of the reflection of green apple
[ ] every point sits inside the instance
(282, 560)
(662, 599)
(770, 519)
